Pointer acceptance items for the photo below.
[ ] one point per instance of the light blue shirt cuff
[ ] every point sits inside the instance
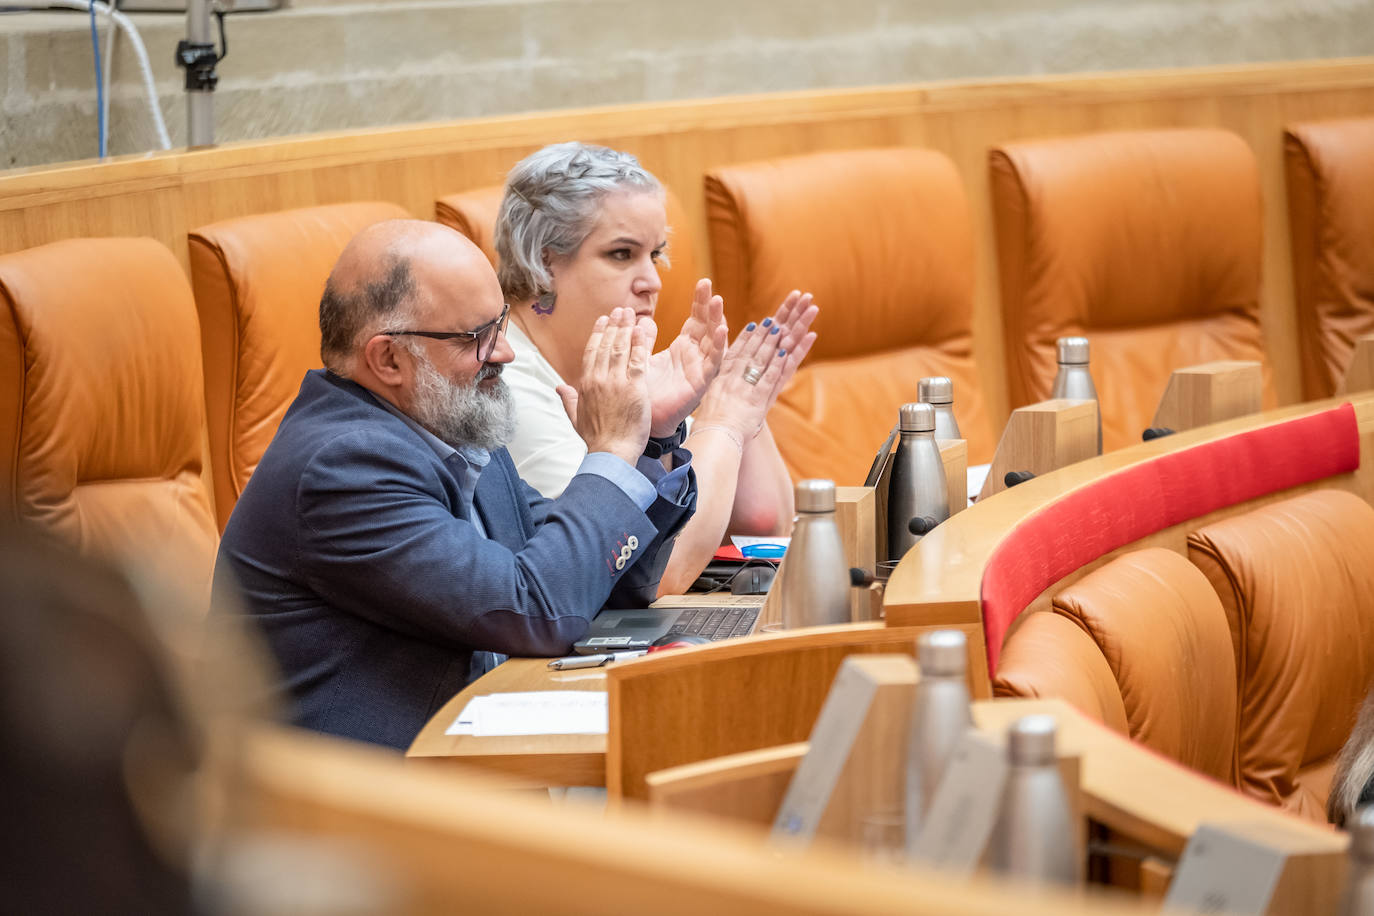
(634, 484)
(674, 485)
(671, 485)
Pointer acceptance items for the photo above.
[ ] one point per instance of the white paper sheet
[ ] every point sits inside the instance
(742, 541)
(545, 712)
(977, 474)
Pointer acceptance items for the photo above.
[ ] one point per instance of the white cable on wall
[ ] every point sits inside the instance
(135, 40)
(107, 62)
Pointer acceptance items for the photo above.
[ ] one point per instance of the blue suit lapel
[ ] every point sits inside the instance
(495, 501)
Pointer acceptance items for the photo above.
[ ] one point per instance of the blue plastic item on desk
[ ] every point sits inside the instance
(763, 551)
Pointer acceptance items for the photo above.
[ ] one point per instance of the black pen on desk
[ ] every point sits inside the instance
(593, 661)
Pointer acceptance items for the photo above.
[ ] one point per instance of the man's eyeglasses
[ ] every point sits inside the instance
(485, 336)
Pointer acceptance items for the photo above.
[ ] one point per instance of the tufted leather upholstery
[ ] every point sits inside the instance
(1146, 242)
(1049, 655)
(1298, 590)
(102, 420)
(882, 238)
(474, 213)
(1330, 173)
(1163, 635)
(258, 282)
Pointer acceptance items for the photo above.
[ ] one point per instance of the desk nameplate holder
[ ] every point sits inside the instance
(954, 454)
(1359, 375)
(1041, 438)
(1209, 393)
(1251, 869)
(855, 761)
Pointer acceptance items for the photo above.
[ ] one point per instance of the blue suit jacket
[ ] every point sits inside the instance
(379, 598)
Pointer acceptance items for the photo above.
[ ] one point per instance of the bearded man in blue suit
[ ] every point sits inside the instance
(385, 544)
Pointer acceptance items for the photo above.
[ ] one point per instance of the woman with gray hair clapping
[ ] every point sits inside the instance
(581, 230)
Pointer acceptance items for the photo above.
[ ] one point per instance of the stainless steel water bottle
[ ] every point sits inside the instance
(1358, 899)
(938, 392)
(917, 487)
(1074, 381)
(815, 575)
(939, 718)
(1035, 838)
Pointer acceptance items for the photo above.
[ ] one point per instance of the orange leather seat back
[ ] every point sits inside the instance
(102, 418)
(883, 239)
(1330, 176)
(1050, 656)
(1146, 242)
(1298, 590)
(1161, 629)
(258, 281)
(474, 213)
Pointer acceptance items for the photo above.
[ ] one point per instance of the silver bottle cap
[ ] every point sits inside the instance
(1361, 827)
(942, 653)
(917, 418)
(1030, 740)
(1073, 351)
(815, 495)
(935, 390)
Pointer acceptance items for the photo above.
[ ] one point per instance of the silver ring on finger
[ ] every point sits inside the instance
(752, 374)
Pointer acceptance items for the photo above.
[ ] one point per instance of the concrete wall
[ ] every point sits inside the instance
(323, 65)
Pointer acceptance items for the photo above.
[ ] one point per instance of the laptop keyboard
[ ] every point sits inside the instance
(715, 622)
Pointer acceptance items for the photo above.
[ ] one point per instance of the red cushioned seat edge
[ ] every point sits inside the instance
(1140, 500)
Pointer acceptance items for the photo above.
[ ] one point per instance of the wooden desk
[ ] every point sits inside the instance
(939, 582)
(537, 760)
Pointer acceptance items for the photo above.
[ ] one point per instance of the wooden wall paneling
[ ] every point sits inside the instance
(165, 195)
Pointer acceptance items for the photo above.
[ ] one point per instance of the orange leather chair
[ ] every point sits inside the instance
(474, 213)
(1297, 586)
(1049, 656)
(1330, 172)
(258, 282)
(1154, 622)
(882, 237)
(1146, 242)
(102, 435)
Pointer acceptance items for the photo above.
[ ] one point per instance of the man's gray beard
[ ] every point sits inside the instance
(464, 414)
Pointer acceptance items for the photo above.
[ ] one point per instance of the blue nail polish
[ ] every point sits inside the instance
(750, 326)
(782, 352)
(767, 322)
(776, 329)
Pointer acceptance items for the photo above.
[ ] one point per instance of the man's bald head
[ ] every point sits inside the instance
(374, 283)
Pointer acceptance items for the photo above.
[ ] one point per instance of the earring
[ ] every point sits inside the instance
(543, 306)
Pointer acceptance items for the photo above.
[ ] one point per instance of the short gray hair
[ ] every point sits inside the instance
(345, 313)
(550, 205)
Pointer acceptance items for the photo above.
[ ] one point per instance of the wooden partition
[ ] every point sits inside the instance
(1136, 793)
(456, 843)
(944, 579)
(167, 195)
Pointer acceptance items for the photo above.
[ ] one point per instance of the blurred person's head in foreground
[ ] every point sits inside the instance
(99, 749)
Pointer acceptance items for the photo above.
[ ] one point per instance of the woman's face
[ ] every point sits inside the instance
(615, 266)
